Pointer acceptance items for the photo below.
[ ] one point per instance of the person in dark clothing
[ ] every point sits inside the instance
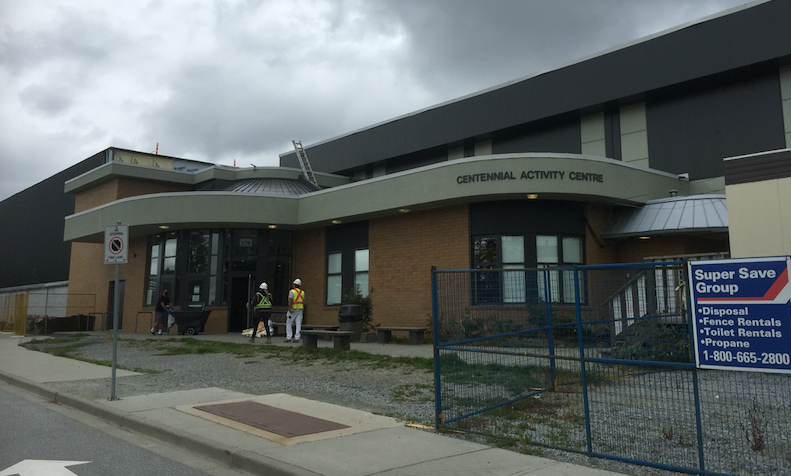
(262, 311)
(161, 313)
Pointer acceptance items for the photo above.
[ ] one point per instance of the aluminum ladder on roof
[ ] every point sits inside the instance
(302, 156)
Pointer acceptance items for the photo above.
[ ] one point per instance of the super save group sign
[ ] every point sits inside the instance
(741, 310)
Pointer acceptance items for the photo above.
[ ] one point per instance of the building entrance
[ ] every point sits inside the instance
(239, 314)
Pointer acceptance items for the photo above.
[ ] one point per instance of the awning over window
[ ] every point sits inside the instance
(693, 214)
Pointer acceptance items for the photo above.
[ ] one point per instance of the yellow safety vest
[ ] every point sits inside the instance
(263, 302)
(299, 298)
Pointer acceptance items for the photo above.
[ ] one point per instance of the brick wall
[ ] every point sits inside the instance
(88, 275)
(309, 265)
(402, 251)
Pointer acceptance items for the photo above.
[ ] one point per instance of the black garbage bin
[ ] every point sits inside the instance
(350, 318)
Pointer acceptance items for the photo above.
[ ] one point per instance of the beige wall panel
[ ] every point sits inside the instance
(714, 185)
(784, 199)
(456, 153)
(634, 135)
(633, 118)
(634, 148)
(483, 147)
(756, 220)
(592, 135)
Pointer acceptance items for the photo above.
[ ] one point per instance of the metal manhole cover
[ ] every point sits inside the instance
(275, 420)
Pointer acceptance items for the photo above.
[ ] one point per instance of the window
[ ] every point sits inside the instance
(161, 267)
(334, 278)
(361, 271)
(555, 252)
(510, 252)
(347, 260)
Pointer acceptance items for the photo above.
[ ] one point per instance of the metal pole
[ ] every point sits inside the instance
(439, 417)
(249, 298)
(116, 303)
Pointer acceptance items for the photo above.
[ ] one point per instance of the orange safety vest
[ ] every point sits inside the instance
(299, 298)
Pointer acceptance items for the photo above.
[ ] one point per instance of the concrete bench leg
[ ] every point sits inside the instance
(383, 337)
(341, 342)
(309, 340)
(415, 337)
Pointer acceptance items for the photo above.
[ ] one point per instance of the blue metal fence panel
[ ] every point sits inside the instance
(598, 359)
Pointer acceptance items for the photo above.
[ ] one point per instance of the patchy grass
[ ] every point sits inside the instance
(296, 354)
(67, 347)
(413, 393)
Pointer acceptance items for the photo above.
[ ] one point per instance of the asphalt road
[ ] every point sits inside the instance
(41, 439)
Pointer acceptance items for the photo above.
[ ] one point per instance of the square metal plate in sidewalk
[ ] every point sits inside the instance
(274, 420)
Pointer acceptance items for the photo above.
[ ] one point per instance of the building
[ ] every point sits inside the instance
(619, 157)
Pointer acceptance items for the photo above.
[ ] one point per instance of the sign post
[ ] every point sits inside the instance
(741, 314)
(115, 252)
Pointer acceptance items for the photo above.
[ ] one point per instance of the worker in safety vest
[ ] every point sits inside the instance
(262, 310)
(296, 307)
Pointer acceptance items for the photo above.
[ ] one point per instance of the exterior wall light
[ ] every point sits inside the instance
(532, 196)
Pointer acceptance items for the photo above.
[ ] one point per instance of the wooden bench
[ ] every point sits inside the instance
(340, 339)
(385, 334)
(317, 327)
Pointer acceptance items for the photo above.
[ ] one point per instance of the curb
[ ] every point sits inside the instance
(229, 456)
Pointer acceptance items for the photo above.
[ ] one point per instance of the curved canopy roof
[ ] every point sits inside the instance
(692, 214)
(271, 186)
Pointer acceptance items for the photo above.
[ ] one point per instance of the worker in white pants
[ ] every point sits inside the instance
(296, 308)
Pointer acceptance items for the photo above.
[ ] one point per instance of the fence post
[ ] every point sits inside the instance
(550, 332)
(685, 304)
(438, 419)
(581, 344)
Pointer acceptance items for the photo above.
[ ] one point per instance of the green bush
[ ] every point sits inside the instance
(355, 296)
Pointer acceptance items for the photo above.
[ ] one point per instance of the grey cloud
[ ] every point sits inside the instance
(48, 100)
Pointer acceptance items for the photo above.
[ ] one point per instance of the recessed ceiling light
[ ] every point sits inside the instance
(163, 227)
(532, 196)
(403, 210)
(336, 222)
(645, 237)
(272, 227)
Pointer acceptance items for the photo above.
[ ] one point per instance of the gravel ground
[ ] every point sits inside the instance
(396, 390)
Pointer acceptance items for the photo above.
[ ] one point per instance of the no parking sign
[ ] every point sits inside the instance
(115, 244)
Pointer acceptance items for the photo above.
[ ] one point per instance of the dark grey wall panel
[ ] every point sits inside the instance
(527, 216)
(419, 159)
(562, 136)
(32, 250)
(694, 126)
(770, 166)
(747, 37)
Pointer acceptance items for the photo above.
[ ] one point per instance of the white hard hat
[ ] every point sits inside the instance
(263, 286)
(298, 282)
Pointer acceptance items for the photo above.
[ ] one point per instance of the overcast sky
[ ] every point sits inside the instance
(221, 80)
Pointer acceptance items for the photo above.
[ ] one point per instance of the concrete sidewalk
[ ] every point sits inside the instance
(366, 444)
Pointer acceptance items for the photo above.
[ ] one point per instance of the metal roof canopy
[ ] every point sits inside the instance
(692, 214)
(275, 186)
